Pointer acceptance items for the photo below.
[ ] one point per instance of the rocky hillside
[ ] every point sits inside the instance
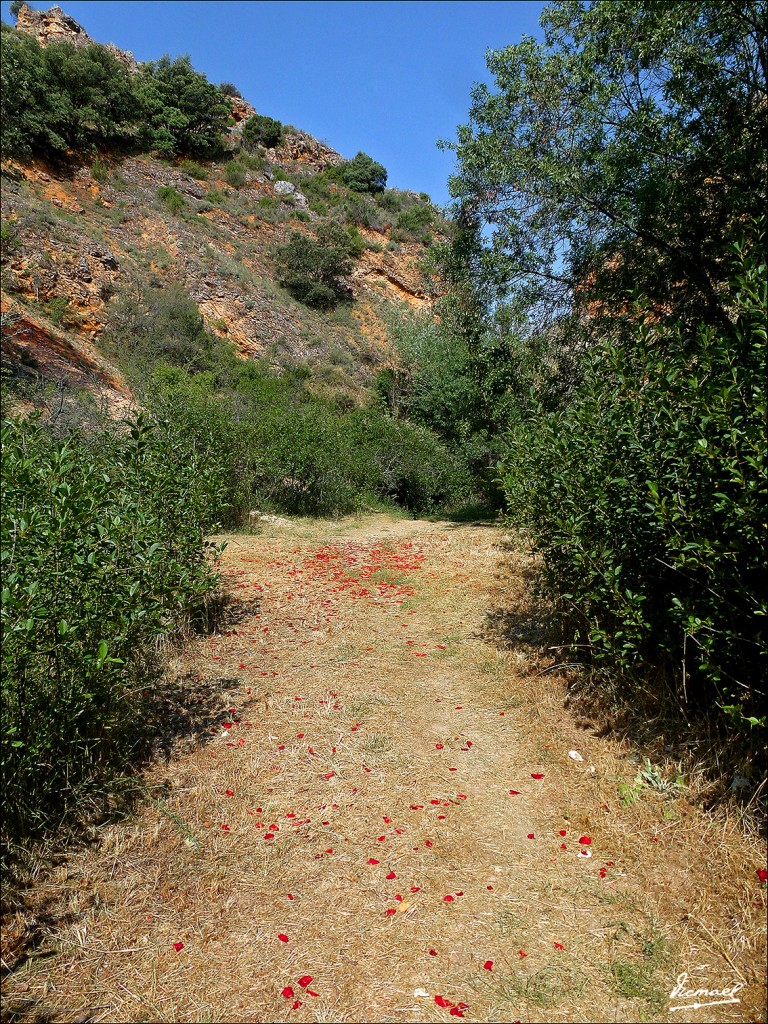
(80, 232)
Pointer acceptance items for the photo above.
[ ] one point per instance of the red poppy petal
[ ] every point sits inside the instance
(531, 835)
(433, 952)
(288, 992)
(762, 874)
(390, 912)
(585, 841)
(537, 775)
(306, 980)
(178, 946)
(448, 899)
(282, 937)
(559, 945)
(488, 965)
(391, 875)
(514, 792)
(441, 1001)
(372, 860)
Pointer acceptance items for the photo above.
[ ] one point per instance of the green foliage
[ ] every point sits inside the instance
(235, 173)
(620, 153)
(99, 171)
(361, 174)
(275, 443)
(283, 448)
(173, 200)
(464, 393)
(181, 111)
(160, 325)
(194, 170)
(313, 269)
(647, 493)
(260, 130)
(102, 551)
(57, 98)
(415, 220)
(9, 238)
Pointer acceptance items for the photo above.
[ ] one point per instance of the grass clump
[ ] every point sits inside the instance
(172, 200)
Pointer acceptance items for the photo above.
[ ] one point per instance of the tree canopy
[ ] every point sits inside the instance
(619, 152)
(58, 98)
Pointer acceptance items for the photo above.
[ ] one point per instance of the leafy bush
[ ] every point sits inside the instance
(160, 325)
(102, 551)
(362, 174)
(235, 173)
(181, 111)
(9, 238)
(647, 497)
(312, 269)
(99, 171)
(260, 130)
(283, 448)
(57, 98)
(194, 170)
(173, 200)
(414, 222)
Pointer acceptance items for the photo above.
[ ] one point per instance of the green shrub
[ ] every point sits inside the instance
(253, 161)
(260, 130)
(194, 170)
(172, 200)
(57, 309)
(160, 325)
(58, 97)
(362, 174)
(235, 173)
(414, 220)
(9, 238)
(102, 551)
(313, 269)
(647, 497)
(181, 111)
(99, 171)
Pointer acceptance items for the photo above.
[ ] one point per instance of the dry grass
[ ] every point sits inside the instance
(385, 725)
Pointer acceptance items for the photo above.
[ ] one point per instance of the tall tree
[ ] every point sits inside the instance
(620, 152)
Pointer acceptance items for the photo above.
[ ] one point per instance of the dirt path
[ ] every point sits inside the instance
(383, 823)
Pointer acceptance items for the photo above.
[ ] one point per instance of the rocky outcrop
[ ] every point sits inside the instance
(54, 26)
(299, 152)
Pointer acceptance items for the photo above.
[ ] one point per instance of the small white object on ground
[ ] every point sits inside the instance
(575, 755)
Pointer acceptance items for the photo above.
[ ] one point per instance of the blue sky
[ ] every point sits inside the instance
(389, 77)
